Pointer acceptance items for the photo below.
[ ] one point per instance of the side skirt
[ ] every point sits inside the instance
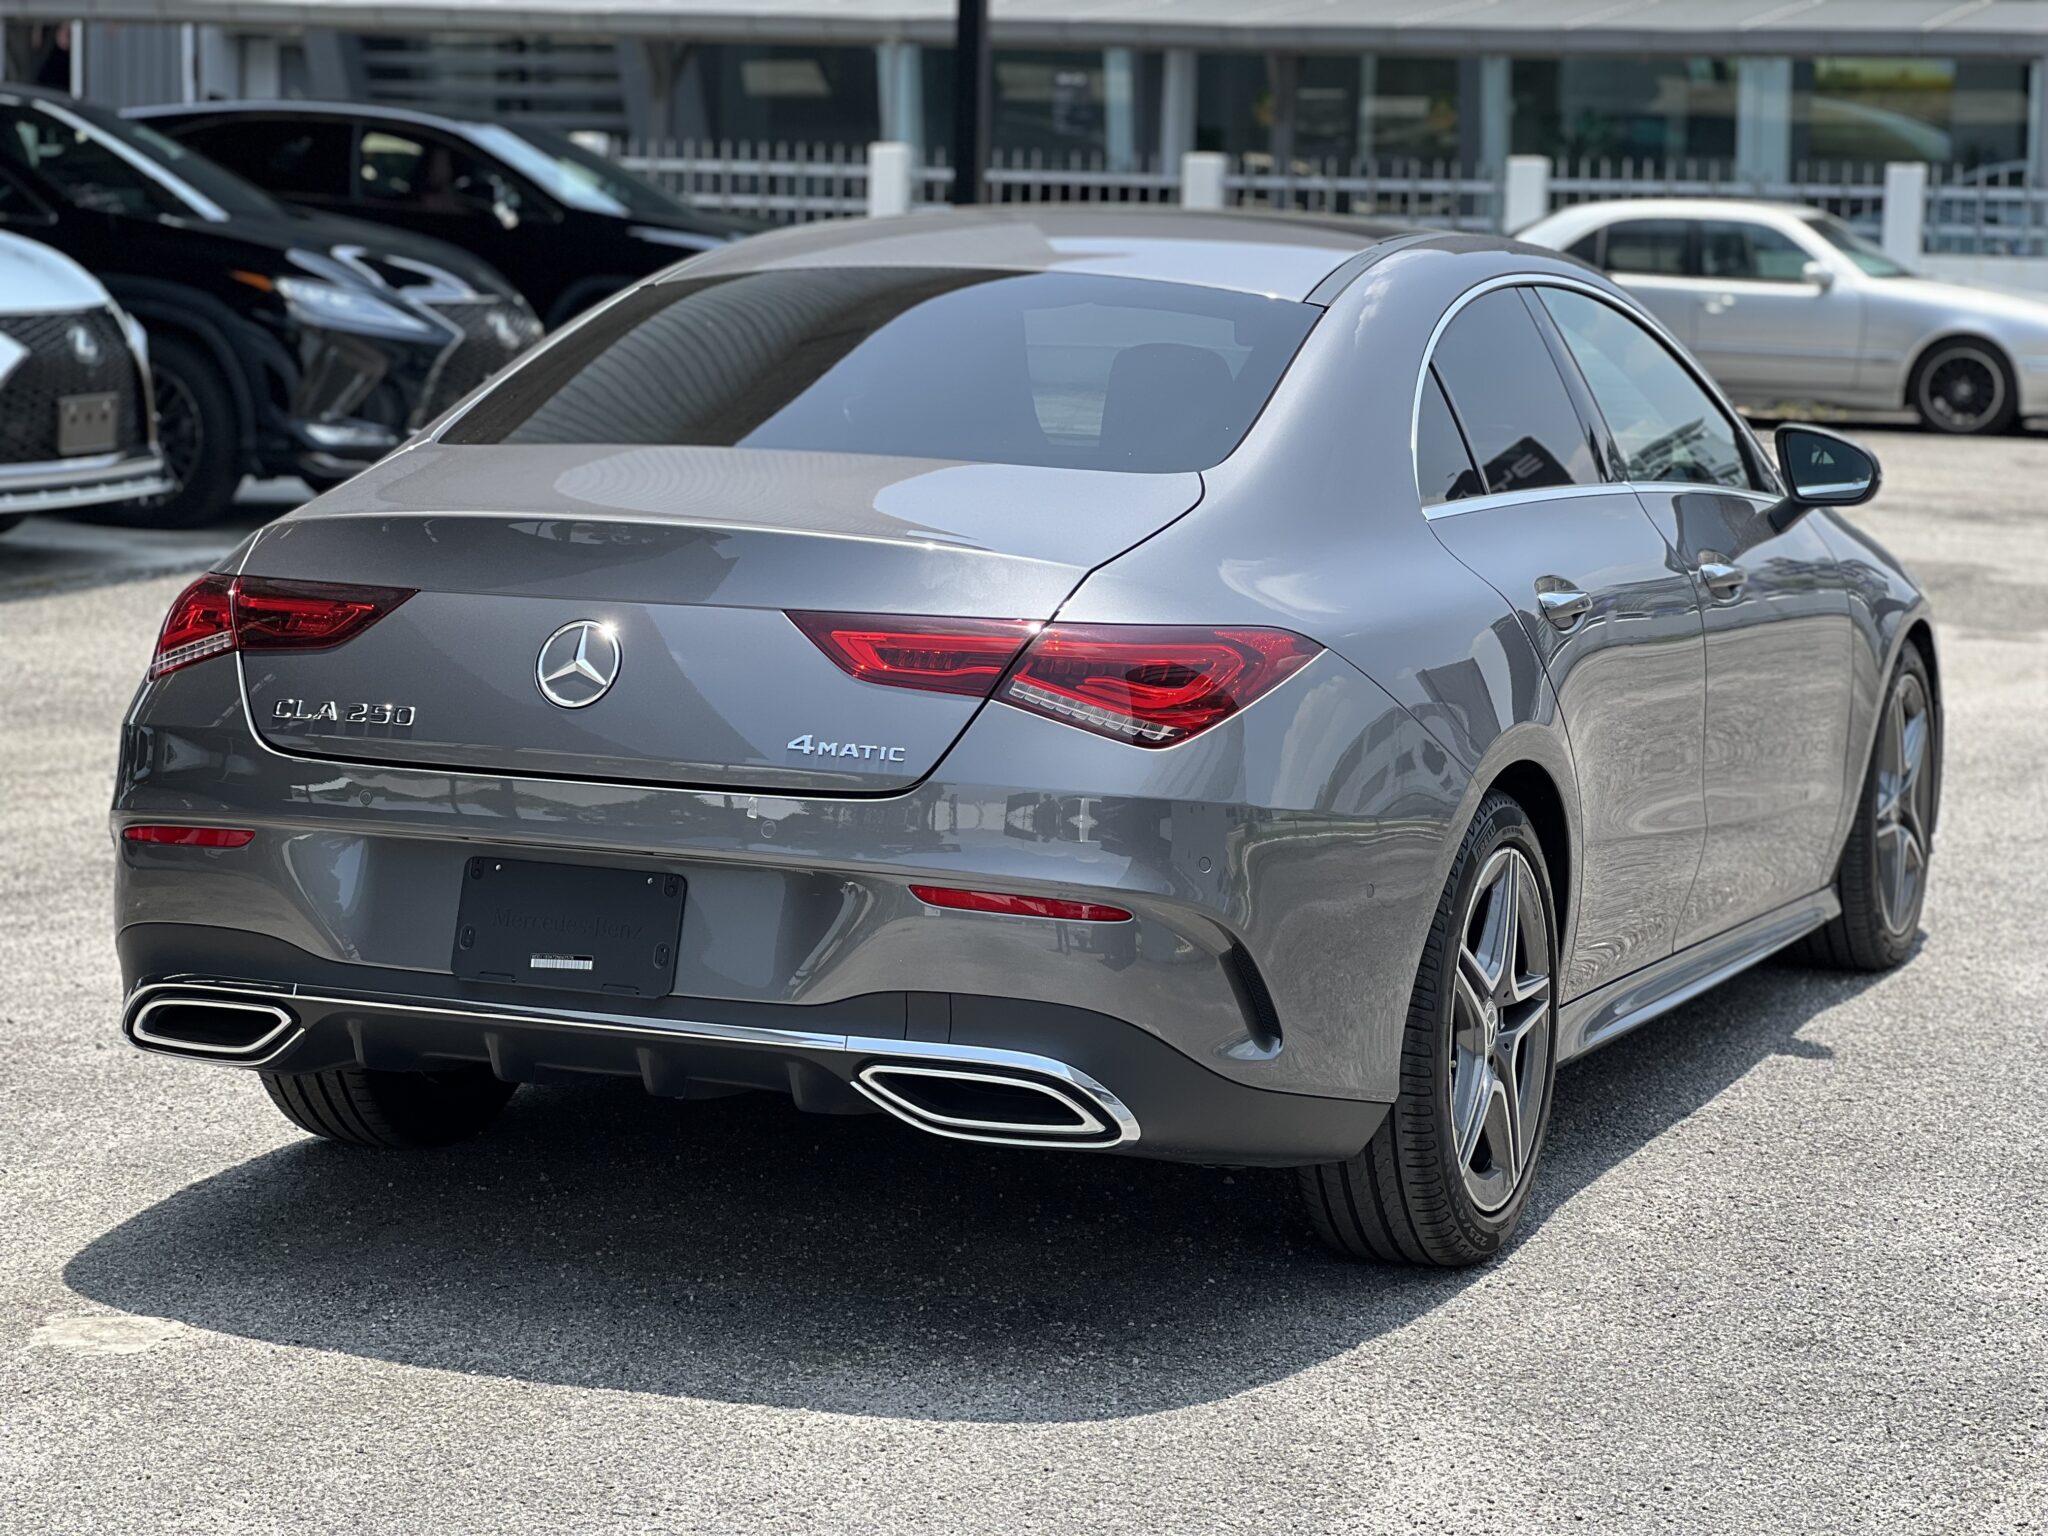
(1586, 1023)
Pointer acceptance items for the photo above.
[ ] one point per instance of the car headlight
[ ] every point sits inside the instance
(349, 309)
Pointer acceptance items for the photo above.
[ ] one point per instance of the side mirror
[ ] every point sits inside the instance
(1824, 469)
(1818, 273)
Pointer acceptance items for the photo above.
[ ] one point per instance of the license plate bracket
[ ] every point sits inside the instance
(570, 927)
(86, 424)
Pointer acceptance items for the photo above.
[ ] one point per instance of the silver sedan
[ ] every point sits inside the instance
(1784, 303)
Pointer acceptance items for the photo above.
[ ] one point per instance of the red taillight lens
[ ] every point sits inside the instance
(253, 613)
(200, 624)
(1018, 906)
(938, 655)
(191, 837)
(1151, 687)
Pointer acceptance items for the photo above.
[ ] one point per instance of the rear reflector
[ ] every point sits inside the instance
(191, 837)
(1018, 906)
(937, 655)
(1149, 687)
(218, 613)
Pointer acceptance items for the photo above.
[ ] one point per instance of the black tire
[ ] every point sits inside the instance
(1879, 922)
(390, 1109)
(1407, 1197)
(1965, 388)
(200, 433)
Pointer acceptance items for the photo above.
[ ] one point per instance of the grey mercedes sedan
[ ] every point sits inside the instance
(1192, 686)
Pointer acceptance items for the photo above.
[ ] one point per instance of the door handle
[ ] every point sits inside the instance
(1720, 303)
(1719, 577)
(1564, 606)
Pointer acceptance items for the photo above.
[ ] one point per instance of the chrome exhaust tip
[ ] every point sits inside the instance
(224, 1029)
(993, 1106)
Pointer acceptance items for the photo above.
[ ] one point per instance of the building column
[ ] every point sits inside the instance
(1763, 120)
(1486, 107)
(1120, 107)
(1282, 72)
(1177, 106)
(1363, 147)
(899, 73)
(2037, 122)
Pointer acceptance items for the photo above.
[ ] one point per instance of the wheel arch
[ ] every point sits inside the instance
(1927, 348)
(1531, 786)
(185, 315)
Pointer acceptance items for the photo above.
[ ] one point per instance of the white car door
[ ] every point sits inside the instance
(1772, 324)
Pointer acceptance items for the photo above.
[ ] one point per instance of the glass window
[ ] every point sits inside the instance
(1971, 113)
(1653, 246)
(1867, 254)
(291, 159)
(1657, 109)
(1443, 467)
(1376, 108)
(780, 93)
(1234, 104)
(423, 173)
(88, 171)
(1755, 253)
(1666, 426)
(1047, 368)
(1510, 398)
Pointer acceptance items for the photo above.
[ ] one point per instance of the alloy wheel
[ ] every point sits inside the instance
(1500, 1030)
(1905, 792)
(180, 430)
(1963, 389)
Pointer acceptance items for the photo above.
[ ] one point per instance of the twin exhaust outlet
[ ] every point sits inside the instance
(963, 1093)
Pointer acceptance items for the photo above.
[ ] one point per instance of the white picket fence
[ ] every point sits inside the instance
(1953, 212)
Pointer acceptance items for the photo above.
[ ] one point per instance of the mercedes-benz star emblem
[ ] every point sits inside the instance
(85, 347)
(579, 664)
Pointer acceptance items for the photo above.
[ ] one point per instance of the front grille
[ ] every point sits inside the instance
(54, 369)
(493, 333)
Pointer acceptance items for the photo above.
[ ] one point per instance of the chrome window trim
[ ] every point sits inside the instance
(1649, 323)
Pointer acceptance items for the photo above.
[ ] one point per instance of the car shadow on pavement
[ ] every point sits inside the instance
(736, 1250)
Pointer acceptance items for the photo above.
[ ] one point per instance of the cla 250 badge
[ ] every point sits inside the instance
(867, 749)
(344, 714)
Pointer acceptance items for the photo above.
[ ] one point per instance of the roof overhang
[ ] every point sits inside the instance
(2016, 29)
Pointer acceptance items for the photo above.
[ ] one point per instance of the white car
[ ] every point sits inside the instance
(76, 428)
(1784, 303)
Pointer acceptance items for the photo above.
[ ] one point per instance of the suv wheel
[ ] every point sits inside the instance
(198, 430)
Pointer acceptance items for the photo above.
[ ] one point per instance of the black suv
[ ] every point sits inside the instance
(281, 342)
(568, 227)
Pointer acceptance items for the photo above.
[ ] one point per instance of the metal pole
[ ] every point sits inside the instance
(970, 101)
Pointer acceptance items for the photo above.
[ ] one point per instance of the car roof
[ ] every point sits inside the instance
(1280, 256)
(1592, 215)
(355, 111)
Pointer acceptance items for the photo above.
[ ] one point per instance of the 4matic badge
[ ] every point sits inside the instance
(811, 747)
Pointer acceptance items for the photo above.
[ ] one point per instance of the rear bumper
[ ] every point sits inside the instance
(1127, 1090)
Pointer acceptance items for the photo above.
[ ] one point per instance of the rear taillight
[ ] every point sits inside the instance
(254, 613)
(1150, 687)
(937, 655)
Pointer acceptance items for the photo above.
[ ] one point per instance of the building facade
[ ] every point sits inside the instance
(1752, 90)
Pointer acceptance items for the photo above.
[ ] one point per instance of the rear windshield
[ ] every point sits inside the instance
(1052, 368)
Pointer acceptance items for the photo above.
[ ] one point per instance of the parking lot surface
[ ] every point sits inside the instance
(1785, 1269)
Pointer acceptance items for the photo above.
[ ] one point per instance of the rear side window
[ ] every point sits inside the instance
(291, 159)
(1756, 252)
(1510, 399)
(1047, 368)
(1444, 470)
(1653, 247)
(1666, 426)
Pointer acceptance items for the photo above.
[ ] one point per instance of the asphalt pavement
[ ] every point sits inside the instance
(1786, 1269)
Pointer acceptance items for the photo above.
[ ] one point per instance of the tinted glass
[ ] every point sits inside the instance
(1510, 398)
(100, 162)
(1665, 425)
(1757, 252)
(1038, 368)
(292, 159)
(1443, 469)
(1648, 246)
(1586, 248)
